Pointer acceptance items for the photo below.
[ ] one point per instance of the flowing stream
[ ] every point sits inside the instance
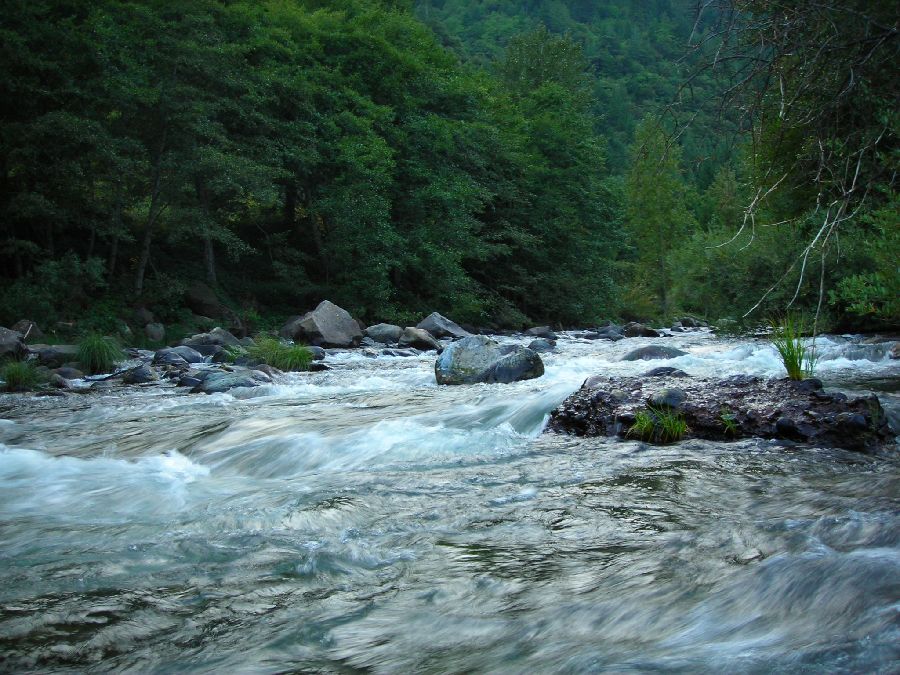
(366, 520)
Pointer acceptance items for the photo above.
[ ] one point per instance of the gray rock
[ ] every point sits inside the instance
(385, 333)
(69, 373)
(28, 329)
(155, 332)
(541, 332)
(480, 359)
(400, 352)
(667, 398)
(102, 385)
(167, 357)
(653, 352)
(318, 367)
(441, 327)
(318, 354)
(326, 326)
(542, 345)
(189, 381)
(217, 336)
(59, 382)
(189, 354)
(418, 338)
(54, 356)
(665, 371)
(140, 375)
(369, 342)
(201, 299)
(11, 345)
(142, 316)
(635, 329)
(219, 381)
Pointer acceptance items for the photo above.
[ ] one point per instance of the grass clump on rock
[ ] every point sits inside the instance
(98, 354)
(20, 376)
(274, 352)
(658, 425)
(787, 338)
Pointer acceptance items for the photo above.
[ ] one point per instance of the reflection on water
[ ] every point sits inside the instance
(365, 519)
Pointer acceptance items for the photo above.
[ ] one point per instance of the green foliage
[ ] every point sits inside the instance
(98, 354)
(787, 337)
(286, 357)
(729, 422)
(20, 376)
(658, 425)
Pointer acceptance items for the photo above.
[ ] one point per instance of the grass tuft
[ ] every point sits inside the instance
(98, 354)
(658, 425)
(275, 353)
(787, 338)
(20, 376)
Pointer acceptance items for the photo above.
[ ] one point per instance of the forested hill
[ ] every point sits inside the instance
(499, 162)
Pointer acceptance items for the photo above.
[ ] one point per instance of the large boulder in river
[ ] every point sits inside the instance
(418, 338)
(219, 381)
(385, 333)
(635, 329)
(727, 409)
(185, 353)
(478, 358)
(11, 345)
(541, 332)
(217, 336)
(441, 327)
(542, 345)
(652, 352)
(326, 326)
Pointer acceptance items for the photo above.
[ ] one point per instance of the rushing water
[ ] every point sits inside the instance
(364, 519)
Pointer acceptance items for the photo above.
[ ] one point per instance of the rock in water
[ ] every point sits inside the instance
(418, 338)
(217, 336)
(541, 332)
(385, 333)
(635, 329)
(479, 359)
(28, 329)
(653, 352)
(326, 326)
(218, 381)
(542, 345)
(441, 327)
(11, 345)
(140, 375)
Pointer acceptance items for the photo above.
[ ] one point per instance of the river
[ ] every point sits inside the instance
(366, 520)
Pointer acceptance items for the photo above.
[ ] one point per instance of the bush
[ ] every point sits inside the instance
(20, 376)
(275, 353)
(787, 338)
(98, 354)
(658, 425)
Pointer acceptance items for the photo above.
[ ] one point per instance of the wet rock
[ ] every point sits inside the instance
(418, 338)
(69, 373)
(326, 326)
(318, 354)
(55, 356)
(691, 322)
(665, 371)
(28, 329)
(140, 375)
(166, 357)
(480, 359)
(542, 345)
(895, 351)
(186, 354)
(652, 352)
(155, 332)
(318, 367)
(217, 336)
(727, 409)
(400, 352)
(635, 329)
(441, 327)
(189, 381)
(11, 344)
(220, 381)
(102, 385)
(385, 333)
(59, 382)
(542, 332)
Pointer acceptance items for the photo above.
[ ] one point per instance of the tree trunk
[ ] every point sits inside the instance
(209, 256)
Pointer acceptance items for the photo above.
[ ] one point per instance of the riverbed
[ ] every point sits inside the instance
(364, 519)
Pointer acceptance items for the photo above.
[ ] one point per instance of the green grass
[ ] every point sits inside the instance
(787, 338)
(20, 376)
(657, 425)
(275, 353)
(729, 421)
(98, 354)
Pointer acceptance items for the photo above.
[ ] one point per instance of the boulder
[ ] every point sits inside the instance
(418, 338)
(57, 381)
(202, 300)
(11, 345)
(69, 373)
(155, 332)
(665, 371)
(652, 352)
(54, 356)
(402, 353)
(895, 351)
(441, 327)
(478, 358)
(728, 409)
(219, 381)
(318, 354)
(166, 357)
(385, 333)
(326, 326)
(541, 332)
(142, 316)
(217, 336)
(635, 329)
(187, 354)
(28, 329)
(542, 345)
(140, 375)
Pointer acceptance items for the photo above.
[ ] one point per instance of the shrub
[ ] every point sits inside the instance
(20, 376)
(275, 353)
(98, 354)
(787, 338)
(658, 425)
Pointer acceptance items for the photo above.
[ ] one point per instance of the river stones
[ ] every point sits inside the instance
(418, 338)
(326, 326)
(652, 352)
(542, 345)
(541, 332)
(54, 356)
(220, 381)
(143, 374)
(478, 358)
(217, 336)
(728, 409)
(385, 333)
(441, 327)
(635, 329)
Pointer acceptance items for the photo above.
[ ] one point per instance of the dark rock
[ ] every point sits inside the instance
(479, 359)
(727, 409)
(140, 375)
(102, 385)
(28, 329)
(326, 326)
(186, 354)
(810, 384)
(400, 352)
(55, 356)
(635, 329)
(691, 322)
(418, 338)
(69, 373)
(219, 381)
(221, 355)
(155, 332)
(142, 316)
(318, 367)
(217, 336)
(652, 352)
(542, 332)
(189, 381)
(318, 354)
(676, 329)
(202, 300)
(385, 333)
(369, 342)
(441, 327)
(167, 357)
(59, 382)
(665, 371)
(11, 344)
(542, 345)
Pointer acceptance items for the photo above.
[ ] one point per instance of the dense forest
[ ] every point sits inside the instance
(558, 161)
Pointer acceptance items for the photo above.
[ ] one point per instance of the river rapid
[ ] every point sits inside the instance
(366, 520)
